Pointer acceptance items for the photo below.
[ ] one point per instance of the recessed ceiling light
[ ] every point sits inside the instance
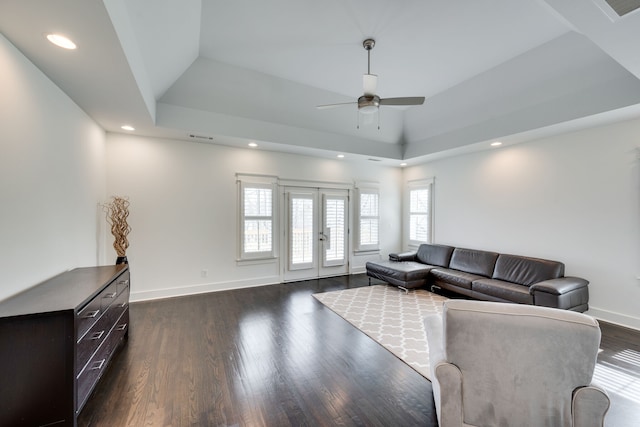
(127, 127)
(340, 156)
(61, 41)
(253, 145)
(496, 144)
(403, 164)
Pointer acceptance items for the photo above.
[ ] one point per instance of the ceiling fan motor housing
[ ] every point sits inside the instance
(368, 104)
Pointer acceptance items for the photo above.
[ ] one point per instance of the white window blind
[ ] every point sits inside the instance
(368, 219)
(420, 212)
(302, 239)
(257, 218)
(334, 222)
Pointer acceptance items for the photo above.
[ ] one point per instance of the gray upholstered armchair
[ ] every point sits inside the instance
(497, 364)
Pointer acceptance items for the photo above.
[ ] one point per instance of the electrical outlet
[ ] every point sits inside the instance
(204, 273)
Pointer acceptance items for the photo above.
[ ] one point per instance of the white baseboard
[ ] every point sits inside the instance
(202, 288)
(358, 270)
(617, 318)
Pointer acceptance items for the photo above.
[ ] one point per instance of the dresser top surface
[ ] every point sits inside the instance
(67, 291)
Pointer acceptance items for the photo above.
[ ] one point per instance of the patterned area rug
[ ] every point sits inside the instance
(391, 317)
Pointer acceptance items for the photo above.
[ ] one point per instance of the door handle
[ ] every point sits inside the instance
(326, 237)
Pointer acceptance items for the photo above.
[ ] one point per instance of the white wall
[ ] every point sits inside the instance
(573, 198)
(52, 177)
(183, 211)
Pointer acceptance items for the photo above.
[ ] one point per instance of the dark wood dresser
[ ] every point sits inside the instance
(56, 341)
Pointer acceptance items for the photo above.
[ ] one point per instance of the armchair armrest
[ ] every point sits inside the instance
(558, 286)
(404, 256)
(446, 379)
(433, 325)
(589, 406)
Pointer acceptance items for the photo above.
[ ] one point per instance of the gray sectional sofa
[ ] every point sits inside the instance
(484, 275)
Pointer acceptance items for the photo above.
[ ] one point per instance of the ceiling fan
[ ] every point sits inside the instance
(369, 102)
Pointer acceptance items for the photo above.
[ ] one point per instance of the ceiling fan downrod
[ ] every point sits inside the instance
(368, 45)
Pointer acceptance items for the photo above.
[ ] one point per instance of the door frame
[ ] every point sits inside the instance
(283, 184)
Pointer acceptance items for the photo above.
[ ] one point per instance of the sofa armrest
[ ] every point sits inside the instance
(404, 256)
(558, 286)
(589, 406)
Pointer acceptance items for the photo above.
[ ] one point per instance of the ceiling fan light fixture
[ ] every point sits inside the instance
(369, 109)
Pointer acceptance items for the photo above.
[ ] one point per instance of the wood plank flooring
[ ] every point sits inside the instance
(274, 356)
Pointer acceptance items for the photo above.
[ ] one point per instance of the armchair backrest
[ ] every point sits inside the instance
(519, 364)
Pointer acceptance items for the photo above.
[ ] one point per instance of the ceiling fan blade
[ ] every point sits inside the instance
(413, 100)
(369, 83)
(327, 106)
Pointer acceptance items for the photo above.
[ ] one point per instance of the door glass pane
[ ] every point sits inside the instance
(334, 229)
(301, 231)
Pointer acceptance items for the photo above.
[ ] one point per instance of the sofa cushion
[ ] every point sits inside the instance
(439, 255)
(405, 271)
(526, 271)
(473, 261)
(504, 290)
(455, 277)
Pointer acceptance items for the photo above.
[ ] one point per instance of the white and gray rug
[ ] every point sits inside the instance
(391, 317)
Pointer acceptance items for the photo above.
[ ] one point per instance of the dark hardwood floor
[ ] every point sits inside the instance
(274, 356)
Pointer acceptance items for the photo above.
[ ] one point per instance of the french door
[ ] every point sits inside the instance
(316, 233)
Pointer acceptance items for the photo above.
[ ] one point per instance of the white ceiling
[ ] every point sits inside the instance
(246, 70)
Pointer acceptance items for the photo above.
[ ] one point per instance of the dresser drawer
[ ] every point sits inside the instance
(88, 316)
(91, 312)
(122, 282)
(90, 342)
(100, 360)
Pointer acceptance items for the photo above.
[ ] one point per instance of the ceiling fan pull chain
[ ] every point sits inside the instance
(378, 119)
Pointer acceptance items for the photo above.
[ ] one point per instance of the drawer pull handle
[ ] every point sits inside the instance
(111, 295)
(96, 335)
(123, 305)
(121, 327)
(97, 365)
(91, 314)
(124, 282)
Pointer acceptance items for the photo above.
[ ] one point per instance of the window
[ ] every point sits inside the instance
(257, 229)
(368, 221)
(420, 214)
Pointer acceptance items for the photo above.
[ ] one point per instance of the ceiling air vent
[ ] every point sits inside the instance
(622, 7)
(201, 137)
(374, 160)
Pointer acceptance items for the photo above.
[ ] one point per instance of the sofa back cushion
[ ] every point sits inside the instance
(526, 271)
(434, 255)
(473, 261)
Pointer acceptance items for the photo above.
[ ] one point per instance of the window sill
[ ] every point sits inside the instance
(256, 261)
(366, 252)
